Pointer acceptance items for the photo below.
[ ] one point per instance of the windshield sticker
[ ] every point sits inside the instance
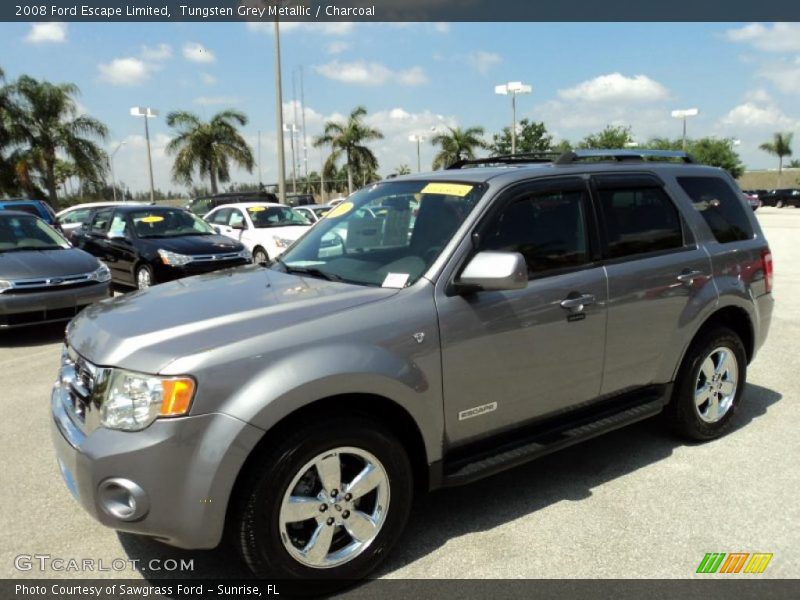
(448, 189)
(338, 211)
(256, 208)
(151, 219)
(395, 280)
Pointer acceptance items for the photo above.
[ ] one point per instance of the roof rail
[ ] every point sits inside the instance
(620, 155)
(508, 159)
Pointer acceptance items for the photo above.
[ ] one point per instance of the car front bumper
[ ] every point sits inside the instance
(171, 481)
(30, 308)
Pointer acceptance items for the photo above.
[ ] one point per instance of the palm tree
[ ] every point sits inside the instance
(48, 124)
(780, 146)
(208, 147)
(457, 144)
(403, 169)
(348, 139)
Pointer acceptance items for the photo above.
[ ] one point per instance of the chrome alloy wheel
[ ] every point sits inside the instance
(716, 384)
(334, 507)
(143, 278)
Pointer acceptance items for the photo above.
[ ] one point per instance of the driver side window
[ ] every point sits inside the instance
(101, 220)
(548, 228)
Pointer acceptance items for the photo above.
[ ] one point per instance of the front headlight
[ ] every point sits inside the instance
(282, 242)
(134, 400)
(173, 259)
(102, 274)
(4, 285)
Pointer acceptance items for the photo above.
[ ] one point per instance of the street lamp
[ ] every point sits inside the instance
(683, 114)
(292, 129)
(279, 116)
(111, 166)
(147, 113)
(418, 139)
(513, 88)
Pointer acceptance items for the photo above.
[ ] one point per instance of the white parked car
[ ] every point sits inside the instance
(265, 228)
(313, 212)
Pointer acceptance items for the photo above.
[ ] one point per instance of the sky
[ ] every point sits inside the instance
(743, 77)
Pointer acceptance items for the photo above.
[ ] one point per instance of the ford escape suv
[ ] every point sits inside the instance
(525, 304)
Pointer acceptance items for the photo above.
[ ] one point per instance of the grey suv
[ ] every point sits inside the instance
(470, 320)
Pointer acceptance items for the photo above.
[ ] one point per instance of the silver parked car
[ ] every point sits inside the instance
(42, 278)
(530, 304)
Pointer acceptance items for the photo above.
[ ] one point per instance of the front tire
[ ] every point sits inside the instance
(260, 256)
(328, 503)
(709, 386)
(779, 204)
(144, 277)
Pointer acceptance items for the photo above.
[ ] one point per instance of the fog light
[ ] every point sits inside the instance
(123, 499)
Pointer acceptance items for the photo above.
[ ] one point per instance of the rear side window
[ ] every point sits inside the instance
(720, 206)
(26, 208)
(639, 220)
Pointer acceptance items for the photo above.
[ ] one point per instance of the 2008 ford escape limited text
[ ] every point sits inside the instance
(431, 330)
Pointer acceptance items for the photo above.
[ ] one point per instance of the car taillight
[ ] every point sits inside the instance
(766, 262)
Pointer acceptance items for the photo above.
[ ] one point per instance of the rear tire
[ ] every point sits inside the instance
(709, 386)
(779, 204)
(289, 526)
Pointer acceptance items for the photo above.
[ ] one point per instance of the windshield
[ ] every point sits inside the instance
(385, 235)
(275, 216)
(168, 223)
(28, 233)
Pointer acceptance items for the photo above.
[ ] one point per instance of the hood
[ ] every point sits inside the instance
(35, 264)
(194, 244)
(147, 330)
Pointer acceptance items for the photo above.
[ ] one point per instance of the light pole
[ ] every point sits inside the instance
(147, 113)
(111, 166)
(513, 88)
(292, 129)
(279, 116)
(683, 114)
(418, 139)
(260, 185)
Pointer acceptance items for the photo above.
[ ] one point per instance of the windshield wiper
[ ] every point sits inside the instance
(312, 271)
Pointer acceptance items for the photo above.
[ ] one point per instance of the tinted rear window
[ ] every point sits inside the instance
(721, 207)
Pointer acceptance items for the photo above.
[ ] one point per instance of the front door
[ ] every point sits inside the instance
(515, 356)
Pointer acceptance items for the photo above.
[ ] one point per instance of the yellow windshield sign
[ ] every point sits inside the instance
(256, 208)
(339, 210)
(152, 219)
(447, 189)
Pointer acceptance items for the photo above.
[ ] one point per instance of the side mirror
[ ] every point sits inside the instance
(239, 226)
(495, 271)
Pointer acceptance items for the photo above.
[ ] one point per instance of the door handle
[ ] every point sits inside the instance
(689, 276)
(578, 302)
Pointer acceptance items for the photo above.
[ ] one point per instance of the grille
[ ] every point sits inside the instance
(44, 283)
(39, 316)
(79, 377)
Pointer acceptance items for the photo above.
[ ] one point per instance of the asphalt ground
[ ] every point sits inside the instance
(635, 503)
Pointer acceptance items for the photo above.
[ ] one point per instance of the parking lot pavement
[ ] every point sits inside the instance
(635, 503)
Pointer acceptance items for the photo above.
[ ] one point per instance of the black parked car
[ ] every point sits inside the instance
(42, 278)
(145, 245)
(781, 197)
(205, 204)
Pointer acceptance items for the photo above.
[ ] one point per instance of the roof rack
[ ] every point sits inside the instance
(508, 159)
(620, 155)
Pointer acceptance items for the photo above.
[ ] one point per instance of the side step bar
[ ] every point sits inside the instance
(543, 442)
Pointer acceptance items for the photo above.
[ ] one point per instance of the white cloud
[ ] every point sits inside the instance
(441, 27)
(124, 71)
(337, 47)
(616, 87)
(364, 73)
(216, 100)
(758, 114)
(784, 74)
(198, 53)
(779, 37)
(208, 78)
(157, 53)
(42, 33)
(483, 61)
(333, 28)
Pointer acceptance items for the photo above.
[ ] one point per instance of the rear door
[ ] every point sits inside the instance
(93, 234)
(120, 251)
(658, 278)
